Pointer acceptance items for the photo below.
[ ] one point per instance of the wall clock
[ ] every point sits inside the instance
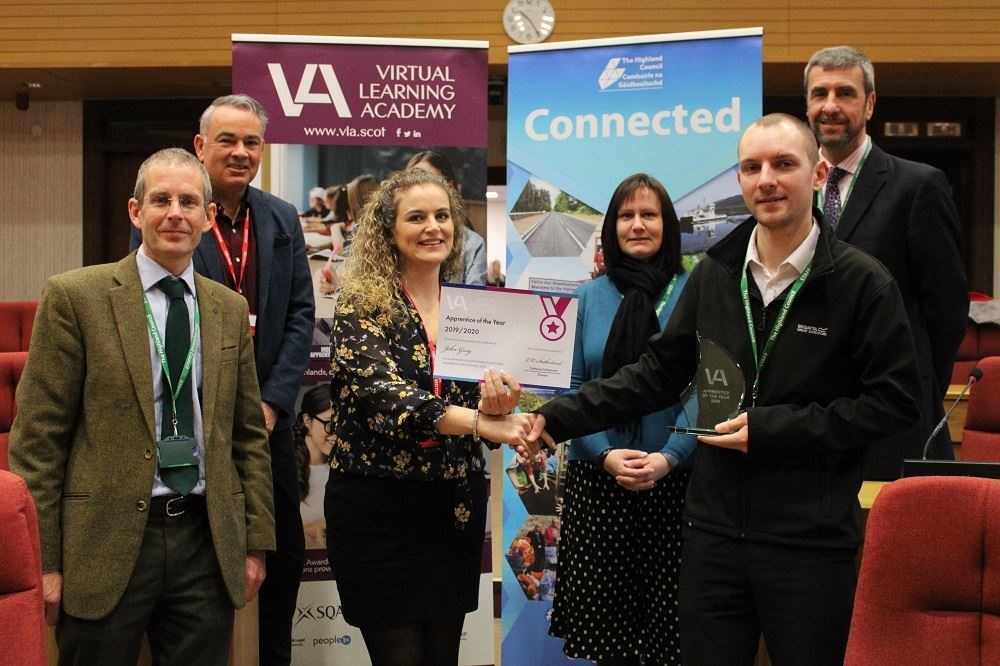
(529, 21)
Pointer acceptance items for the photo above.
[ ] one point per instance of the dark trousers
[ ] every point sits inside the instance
(731, 590)
(280, 590)
(176, 595)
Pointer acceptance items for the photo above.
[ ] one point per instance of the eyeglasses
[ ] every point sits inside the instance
(187, 202)
(327, 424)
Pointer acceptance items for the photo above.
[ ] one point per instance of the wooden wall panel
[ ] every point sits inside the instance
(147, 33)
(41, 189)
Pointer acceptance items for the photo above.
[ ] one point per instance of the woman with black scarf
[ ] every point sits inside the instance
(620, 544)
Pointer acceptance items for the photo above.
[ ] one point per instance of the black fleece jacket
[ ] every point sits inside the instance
(839, 378)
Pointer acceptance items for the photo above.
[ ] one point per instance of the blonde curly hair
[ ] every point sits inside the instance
(370, 279)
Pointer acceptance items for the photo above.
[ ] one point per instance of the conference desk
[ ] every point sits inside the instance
(869, 491)
(956, 422)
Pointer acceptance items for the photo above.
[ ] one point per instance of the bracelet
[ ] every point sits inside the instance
(604, 455)
(475, 425)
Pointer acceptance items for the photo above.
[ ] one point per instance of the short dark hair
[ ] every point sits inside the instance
(841, 57)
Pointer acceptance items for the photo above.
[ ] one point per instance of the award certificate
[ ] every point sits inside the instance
(528, 334)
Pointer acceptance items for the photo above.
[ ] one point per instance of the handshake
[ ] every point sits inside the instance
(500, 393)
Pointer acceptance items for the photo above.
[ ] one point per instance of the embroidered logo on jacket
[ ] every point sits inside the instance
(812, 330)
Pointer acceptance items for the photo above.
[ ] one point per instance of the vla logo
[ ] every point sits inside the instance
(456, 302)
(292, 107)
(716, 376)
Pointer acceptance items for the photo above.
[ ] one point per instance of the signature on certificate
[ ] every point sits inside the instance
(457, 350)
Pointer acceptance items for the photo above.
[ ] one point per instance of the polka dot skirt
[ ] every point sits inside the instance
(619, 558)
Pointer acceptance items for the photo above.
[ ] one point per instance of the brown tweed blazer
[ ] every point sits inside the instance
(84, 437)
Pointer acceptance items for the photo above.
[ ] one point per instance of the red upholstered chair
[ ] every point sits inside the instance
(17, 319)
(11, 367)
(929, 587)
(981, 437)
(989, 340)
(22, 608)
(967, 355)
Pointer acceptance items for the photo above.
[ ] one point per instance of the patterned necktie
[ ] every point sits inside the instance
(177, 339)
(831, 202)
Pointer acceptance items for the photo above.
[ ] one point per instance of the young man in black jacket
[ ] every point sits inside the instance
(772, 521)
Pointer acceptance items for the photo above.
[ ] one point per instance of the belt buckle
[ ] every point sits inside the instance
(181, 510)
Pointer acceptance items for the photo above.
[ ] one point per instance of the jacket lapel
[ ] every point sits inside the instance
(211, 349)
(207, 260)
(130, 320)
(871, 179)
(264, 231)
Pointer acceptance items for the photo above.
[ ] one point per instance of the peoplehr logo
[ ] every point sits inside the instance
(292, 106)
(333, 640)
(612, 72)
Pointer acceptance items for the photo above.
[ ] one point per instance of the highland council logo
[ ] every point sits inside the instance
(637, 72)
(612, 72)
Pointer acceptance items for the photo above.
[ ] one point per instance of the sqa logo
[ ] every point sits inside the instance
(317, 612)
(292, 106)
(612, 72)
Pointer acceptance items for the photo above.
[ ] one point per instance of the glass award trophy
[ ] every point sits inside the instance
(715, 393)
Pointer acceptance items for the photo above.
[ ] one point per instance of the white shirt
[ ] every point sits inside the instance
(311, 508)
(850, 164)
(772, 285)
(150, 273)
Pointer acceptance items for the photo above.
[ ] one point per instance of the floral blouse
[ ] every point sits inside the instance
(385, 410)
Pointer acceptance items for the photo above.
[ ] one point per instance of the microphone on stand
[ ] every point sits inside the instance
(974, 376)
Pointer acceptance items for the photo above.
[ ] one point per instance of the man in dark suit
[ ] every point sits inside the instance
(902, 213)
(146, 454)
(256, 247)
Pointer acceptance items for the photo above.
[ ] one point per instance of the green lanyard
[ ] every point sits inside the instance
(854, 181)
(666, 296)
(162, 353)
(775, 329)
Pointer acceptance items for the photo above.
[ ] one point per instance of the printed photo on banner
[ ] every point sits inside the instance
(532, 557)
(347, 175)
(313, 443)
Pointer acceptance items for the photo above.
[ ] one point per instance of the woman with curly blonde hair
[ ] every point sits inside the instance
(406, 498)
(371, 275)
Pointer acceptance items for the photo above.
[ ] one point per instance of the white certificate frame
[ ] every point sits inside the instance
(529, 334)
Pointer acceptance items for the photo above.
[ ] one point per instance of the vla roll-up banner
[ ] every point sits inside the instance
(581, 116)
(346, 112)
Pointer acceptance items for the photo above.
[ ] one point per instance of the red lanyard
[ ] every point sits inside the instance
(436, 382)
(224, 248)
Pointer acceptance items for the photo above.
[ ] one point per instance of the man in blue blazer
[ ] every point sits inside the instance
(256, 247)
(902, 213)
